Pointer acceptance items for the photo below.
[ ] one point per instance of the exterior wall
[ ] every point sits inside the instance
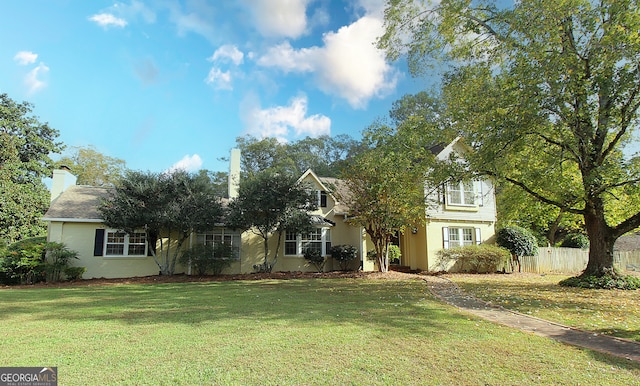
(80, 237)
(435, 241)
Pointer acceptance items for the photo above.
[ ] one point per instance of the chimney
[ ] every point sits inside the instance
(234, 173)
(62, 179)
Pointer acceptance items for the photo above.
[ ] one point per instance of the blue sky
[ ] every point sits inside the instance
(166, 83)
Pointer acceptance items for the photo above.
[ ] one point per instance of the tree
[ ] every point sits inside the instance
(92, 167)
(546, 93)
(386, 185)
(269, 204)
(25, 147)
(324, 155)
(169, 207)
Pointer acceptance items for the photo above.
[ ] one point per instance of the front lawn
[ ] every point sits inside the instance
(303, 331)
(611, 312)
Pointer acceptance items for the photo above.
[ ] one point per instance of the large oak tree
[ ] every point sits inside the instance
(547, 94)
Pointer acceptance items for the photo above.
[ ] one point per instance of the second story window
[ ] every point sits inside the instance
(461, 193)
(322, 199)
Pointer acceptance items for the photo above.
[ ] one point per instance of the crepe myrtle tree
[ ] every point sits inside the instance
(547, 94)
(270, 204)
(168, 206)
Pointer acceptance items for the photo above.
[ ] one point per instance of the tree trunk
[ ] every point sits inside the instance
(601, 240)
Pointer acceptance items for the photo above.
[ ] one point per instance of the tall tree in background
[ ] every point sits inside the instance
(169, 207)
(325, 155)
(25, 146)
(92, 167)
(269, 204)
(546, 92)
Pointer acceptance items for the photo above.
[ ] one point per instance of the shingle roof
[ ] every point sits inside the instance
(77, 202)
(340, 191)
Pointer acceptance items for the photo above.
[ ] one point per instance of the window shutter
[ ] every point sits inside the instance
(478, 239)
(445, 238)
(98, 243)
(480, 193)
(441, 194)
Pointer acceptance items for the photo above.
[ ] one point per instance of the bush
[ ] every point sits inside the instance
(575, 240)
(394, 254)
(474, 258)
(208, 258)
(57, 257)
(344, 254)
(519, 241)
(24, 262)
(74, 273)
(315, 257)
(604, 282)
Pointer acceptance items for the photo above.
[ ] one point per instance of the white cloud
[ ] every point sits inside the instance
(25, 57)
(348, 65)
(108, 20)
(197, 17)
(228, 51)
(279, 18)
(188, 163)
(219, 79)
(283, 121)
(33, 78)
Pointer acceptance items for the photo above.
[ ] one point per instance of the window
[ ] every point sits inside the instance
(221, 236)
(460, 193)
(118, 243)
(318, 239)
(460, 237)
(321, 198)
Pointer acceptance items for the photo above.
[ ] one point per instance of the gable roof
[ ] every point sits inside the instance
(78, 203)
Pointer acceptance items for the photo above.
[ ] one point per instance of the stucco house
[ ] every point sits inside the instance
(465, 215)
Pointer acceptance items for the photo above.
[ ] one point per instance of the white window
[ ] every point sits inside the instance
(118, 243)
(460, 237)
(318, 239)
(461, 193)
(219, 236)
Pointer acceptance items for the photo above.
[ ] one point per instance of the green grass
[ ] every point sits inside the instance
(611, 312)
(302, 332)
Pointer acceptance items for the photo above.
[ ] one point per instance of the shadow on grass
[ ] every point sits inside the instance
(384, 305)
(593, 307)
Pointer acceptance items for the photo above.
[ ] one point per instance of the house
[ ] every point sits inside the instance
(466, 215)
(457, 214)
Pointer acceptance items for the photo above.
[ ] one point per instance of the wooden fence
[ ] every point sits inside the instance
(573, 260)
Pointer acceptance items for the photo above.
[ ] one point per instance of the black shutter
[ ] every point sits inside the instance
(98, 243)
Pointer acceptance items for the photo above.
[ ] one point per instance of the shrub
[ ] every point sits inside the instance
(24, 261)
(208, 258)
(315, 257)
(575, 240)
(474, 258)
(394, 254)
(57, 257)
(74, 273)
(344, 254)
(519, 241)
(603, 282)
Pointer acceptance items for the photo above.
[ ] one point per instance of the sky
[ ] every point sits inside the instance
(168, 84)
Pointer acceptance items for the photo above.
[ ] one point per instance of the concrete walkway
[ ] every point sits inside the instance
(449, 292)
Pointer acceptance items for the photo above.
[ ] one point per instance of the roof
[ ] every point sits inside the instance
(339, 190)
(78, 202)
